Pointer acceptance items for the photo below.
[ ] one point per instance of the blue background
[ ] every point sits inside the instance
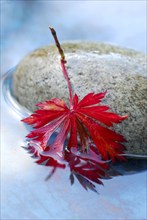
(24, 24)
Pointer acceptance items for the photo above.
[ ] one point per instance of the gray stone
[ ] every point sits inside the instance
(92, 67)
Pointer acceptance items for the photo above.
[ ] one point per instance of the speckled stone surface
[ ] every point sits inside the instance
(92, 67)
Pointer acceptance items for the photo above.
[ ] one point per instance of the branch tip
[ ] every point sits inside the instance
(52, 30)
(63, 61)
(57, 44)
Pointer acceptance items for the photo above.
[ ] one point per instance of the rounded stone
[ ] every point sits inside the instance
(92, 67)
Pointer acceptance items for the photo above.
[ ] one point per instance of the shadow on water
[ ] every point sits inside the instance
(131, 166)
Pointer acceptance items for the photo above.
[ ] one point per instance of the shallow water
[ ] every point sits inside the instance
(24, 185)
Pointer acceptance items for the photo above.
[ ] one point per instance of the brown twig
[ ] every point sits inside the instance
(58, 44)
(63, 61)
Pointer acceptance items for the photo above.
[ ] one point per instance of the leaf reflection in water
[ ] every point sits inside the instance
(89, 169)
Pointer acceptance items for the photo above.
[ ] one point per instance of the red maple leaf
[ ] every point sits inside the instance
(83, 126)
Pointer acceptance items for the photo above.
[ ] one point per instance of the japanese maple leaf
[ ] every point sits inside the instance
(82, 121)
(84, 126)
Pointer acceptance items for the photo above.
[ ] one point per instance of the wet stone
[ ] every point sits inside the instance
(92, 67)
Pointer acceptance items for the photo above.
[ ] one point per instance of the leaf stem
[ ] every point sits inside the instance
(63, 61)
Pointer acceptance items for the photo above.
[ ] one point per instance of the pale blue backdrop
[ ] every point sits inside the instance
(24, 24)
